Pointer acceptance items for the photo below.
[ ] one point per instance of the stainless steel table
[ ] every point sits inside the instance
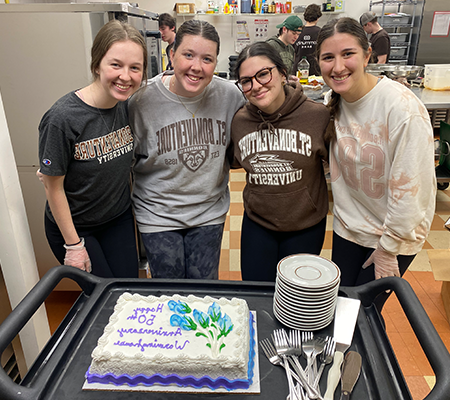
(434, 100)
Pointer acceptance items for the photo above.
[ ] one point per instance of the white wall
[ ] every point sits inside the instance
(226, 25)
(17, 260)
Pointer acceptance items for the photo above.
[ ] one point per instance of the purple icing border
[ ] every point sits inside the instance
(184, 381)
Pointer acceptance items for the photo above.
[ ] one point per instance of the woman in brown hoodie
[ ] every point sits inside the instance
(278, 138)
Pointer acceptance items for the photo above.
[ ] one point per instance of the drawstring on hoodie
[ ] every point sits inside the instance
(268, 123)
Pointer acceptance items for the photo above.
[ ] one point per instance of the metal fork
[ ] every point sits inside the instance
(273, 357)
(325, 358)
(279, 338)
(319, 345)
(295, 346)
(308, 350)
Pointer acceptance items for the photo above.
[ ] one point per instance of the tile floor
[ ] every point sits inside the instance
(415, 367)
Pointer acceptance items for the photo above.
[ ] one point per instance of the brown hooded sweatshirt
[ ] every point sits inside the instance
(283, 155)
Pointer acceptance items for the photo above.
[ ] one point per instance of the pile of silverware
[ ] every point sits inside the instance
(286, 348)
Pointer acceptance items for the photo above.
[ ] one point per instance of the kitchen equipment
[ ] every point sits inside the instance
(58, 372)
(437, 76)
(344, 325)
(431, 48)
(395, 71)
(395, 19)
(350, 373)
(407, 71)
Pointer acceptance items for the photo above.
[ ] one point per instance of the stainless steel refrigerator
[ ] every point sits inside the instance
(44, 54)
(433, 49)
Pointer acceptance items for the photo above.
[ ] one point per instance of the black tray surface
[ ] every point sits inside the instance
(58, 372)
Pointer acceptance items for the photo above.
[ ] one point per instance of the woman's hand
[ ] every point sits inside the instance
(77, 256)
(385, 263)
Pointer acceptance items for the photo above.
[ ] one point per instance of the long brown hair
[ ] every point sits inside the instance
(341, 25)
(110, 33)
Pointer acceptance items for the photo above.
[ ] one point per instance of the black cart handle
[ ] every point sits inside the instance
(434, 348)
(15, 321)
(432, 345)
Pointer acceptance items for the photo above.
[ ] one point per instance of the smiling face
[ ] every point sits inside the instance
(269, 97)
(119, 74)
(193, 62)
(342, 61)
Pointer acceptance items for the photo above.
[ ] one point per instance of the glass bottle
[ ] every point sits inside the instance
(303, 71)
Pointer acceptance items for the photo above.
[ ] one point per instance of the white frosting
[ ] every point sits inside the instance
(186, 351)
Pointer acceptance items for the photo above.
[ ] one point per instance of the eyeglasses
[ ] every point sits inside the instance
(263, 77)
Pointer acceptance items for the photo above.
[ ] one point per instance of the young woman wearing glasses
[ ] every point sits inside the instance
(278, 138)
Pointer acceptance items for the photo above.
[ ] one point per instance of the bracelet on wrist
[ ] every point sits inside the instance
(81, 242)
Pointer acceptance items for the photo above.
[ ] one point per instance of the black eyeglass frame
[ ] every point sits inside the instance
(238, 84)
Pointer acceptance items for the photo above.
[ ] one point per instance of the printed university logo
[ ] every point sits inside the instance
(193, 157)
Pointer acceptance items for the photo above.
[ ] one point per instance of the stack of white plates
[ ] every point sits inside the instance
(306, 291)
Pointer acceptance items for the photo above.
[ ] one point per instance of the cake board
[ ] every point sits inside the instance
(253, 389)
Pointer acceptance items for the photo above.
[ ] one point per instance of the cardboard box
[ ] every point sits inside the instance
(439, 260)
(184, 8)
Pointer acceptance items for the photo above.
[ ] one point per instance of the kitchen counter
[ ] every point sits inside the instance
(433, 99)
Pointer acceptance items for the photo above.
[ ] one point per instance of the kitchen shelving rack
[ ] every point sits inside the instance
(400, 28)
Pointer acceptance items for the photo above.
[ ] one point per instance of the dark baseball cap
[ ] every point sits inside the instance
(293, 23)
(368, 16)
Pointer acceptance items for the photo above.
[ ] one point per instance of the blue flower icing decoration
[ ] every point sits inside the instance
(212, 325)
(179, 307)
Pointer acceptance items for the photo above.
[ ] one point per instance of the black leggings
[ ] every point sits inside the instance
(350, 257)
(111, 246)
(262, 248)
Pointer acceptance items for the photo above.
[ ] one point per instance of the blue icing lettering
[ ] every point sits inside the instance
(153, 332)
(155, 344)
(146, 310)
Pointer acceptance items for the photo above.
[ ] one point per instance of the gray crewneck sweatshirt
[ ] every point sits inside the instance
(181, 172)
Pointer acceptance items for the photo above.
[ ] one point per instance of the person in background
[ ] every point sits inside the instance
(168, 29)
(278, 138)
(85, 153)
(379, 39)
(381, 162)
(305, 45)
(289, 30)
(182, 122)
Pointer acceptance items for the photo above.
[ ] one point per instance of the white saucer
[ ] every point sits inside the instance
(308, 270)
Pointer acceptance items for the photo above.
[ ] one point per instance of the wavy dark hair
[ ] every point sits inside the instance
(261, 49)
(312, 13)
(197, 27)
(341, 25)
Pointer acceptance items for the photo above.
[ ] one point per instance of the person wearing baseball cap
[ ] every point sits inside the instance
(380, 40)
(288, 33)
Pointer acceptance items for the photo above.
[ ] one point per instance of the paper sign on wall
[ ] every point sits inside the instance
(242, 36)
(441, 23)
(261, 29)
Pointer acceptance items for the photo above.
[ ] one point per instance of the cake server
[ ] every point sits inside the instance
(344, 325)
(350, 373)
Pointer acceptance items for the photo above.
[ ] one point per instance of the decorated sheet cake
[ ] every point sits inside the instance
(176, 340)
